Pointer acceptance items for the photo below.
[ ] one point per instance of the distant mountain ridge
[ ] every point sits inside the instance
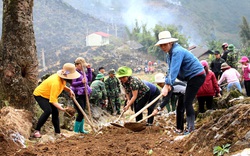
(201, 20)
(60, 28)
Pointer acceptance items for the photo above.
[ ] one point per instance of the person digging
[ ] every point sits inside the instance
(78, 86)
(137, 93)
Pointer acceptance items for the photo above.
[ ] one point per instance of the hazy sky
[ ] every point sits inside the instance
(126, 12)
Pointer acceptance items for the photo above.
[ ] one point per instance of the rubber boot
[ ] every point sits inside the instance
(190, 123)
(77, 126)
(82, 127)
(168, 107)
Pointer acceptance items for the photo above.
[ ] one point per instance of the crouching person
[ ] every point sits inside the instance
(154, 93)
(46, 95)
(99, 92)
(137, 93)
(178, 90)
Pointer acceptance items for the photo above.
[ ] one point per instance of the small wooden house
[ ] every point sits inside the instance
(200, 52)
(97, 39)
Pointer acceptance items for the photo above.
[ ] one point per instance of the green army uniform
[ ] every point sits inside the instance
(136, 84)
(98, 93)
(112, 86)
(172, 102)
(232, 57)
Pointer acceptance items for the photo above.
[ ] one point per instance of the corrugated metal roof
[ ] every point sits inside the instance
(102, 34)
(199, 51)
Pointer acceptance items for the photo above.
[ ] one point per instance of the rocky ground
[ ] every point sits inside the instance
(214, 128)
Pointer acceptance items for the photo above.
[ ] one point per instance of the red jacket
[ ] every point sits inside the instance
(210, 86)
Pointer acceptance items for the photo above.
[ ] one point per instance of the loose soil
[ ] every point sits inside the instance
(114, 141)
(214, 128)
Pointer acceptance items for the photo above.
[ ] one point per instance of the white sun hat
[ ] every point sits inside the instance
(159, 78)
(165, 37)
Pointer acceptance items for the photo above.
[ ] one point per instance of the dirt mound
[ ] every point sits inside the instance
(15, 127)
(7, 145)
(228, 127)
(15, 120)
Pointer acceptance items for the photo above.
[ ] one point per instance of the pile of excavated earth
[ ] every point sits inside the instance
(213, 128)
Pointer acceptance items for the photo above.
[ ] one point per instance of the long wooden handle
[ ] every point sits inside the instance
(145, 107)
(84, 114)
(86, 94)
(146, 117)
(87, 101)
(120, 116)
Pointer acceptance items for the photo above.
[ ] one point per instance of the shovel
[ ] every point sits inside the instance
(115, 123)
(137, 126)
(144, 108)
(139, 112)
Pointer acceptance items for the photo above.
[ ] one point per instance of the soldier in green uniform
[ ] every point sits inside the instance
(137, 93)
(99, 92)
(112, 86)
(232, 56)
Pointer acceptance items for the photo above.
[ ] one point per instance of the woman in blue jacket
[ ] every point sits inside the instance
(184, 65)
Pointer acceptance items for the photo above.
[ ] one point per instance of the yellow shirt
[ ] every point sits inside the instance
(50, 88)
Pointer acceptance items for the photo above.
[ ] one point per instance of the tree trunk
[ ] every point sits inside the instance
(18, 57)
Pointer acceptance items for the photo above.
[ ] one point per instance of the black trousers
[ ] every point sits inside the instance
(140, 104)
(48, 108)
(217, 75)
(81, 99)
(202, 100)
(152, 107)
(193, 86)
(247, 87)
(180, 110)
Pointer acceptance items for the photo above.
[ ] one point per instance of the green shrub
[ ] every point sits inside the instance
(219, 151)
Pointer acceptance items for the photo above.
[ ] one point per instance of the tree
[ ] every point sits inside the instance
(182, 40)
(18, 57)
(133, 34)
(245, 32)
(148, 38)
(214, 45)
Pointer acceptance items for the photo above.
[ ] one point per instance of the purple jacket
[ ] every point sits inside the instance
(78, 87)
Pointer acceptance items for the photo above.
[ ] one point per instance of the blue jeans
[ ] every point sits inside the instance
(236, 84)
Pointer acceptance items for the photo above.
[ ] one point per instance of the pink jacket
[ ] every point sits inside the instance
(231, 75)
(246, 72)
(210, 86)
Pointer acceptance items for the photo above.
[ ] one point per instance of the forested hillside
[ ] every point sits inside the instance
(61, 25)
(201, 20)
